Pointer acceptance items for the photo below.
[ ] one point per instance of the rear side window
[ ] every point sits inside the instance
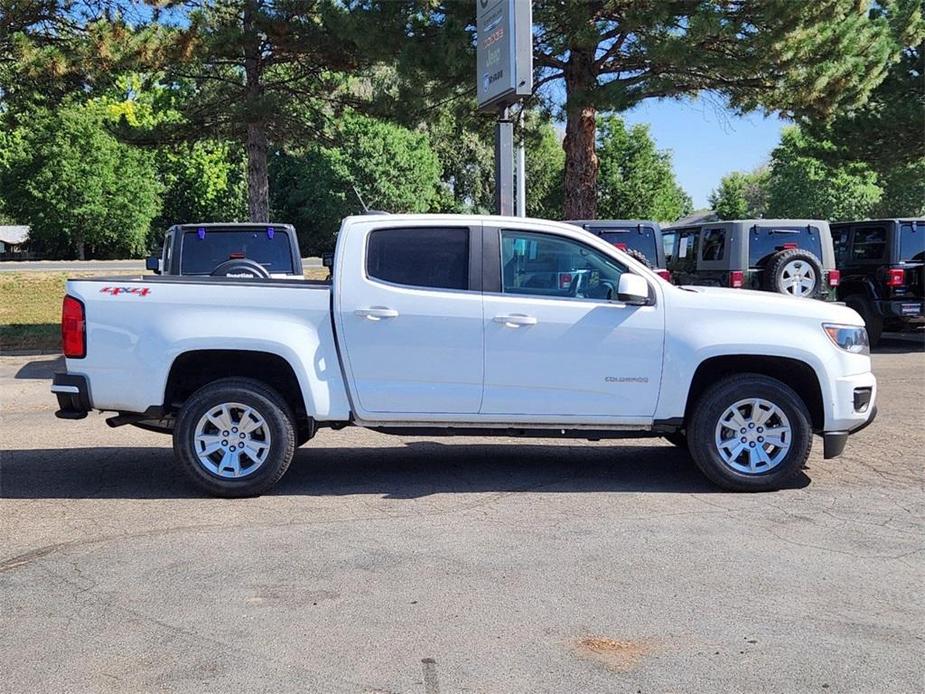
(204, 251)
(668, 244)
(436, 258)
(912, 241)
(714, 244)
(763, 242)
(869, 243)
(840, 241)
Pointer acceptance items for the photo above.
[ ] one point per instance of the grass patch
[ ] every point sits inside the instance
(30, 307)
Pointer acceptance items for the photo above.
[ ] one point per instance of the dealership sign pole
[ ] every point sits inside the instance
(504, 60)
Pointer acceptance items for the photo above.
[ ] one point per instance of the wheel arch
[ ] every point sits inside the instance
(797, 374)
(193, 369)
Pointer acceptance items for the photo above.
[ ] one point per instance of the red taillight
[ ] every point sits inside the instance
(896, 277)
(565, 280)
(664, 274)
(73, 328)
(736, 279)
(789, 246)
(834, 278)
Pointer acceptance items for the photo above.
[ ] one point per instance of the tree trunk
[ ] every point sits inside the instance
(581, 164)
(258, 183)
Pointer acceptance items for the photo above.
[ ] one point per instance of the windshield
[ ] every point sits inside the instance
(912, 241)
(202, 252)
(640, 239)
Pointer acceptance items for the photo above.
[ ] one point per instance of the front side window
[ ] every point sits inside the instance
(545, 265)
(869, 243)
(435, 258)
(912, 241)
(714, 244)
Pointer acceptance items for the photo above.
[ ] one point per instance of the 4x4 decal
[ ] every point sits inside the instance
(115, 291)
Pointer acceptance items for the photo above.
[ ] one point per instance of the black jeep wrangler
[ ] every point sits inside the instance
(641, 238)
(882, 264)
(231, 249)
(789, 256)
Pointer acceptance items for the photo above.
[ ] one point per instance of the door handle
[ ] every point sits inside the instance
(376, 313)
(515, 320)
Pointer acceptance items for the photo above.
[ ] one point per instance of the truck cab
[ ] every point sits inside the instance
(237, 249)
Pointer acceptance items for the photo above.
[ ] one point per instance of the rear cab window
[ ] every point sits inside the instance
(912, 242)
(204, 249)
(765, 241)
(640, 238)
(430, 258)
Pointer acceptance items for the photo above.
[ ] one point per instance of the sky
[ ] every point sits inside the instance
(707, 141)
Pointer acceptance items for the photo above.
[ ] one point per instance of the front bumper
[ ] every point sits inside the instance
(73, 393)
(833, 442)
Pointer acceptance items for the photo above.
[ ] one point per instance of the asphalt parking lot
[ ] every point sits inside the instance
(383, 564)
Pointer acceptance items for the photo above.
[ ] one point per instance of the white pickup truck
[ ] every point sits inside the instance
(465, 325)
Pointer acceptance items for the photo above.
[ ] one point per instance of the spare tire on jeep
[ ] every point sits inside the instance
(794, 272)
(638, 255)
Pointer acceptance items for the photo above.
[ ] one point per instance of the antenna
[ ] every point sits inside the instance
(360, 198)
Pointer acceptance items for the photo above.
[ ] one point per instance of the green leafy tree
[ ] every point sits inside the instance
(545, 164)
(391, 168)
(202, 182)
(802, 185)
(797, 58)
(83, 193)
(264, 71)
(636, 179)
(741, 195)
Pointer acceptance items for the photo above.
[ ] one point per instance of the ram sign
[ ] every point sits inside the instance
(504, 52)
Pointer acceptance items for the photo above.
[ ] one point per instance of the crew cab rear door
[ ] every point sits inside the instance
(409, 318)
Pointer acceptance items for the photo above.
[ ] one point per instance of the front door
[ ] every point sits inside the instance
(558, 343)
(411, 327)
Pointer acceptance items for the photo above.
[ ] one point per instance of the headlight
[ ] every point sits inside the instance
(850, 338)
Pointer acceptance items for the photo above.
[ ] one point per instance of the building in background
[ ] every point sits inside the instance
(14, 243)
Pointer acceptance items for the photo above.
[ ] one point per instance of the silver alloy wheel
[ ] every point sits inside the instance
(232, 440)
(799, 278)
(753, 436)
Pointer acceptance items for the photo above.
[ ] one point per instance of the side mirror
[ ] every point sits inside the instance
(633, 290)
(327, 260)
(153, 263)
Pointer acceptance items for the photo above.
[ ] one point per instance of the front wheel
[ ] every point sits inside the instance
(234, 437)
(750, 433)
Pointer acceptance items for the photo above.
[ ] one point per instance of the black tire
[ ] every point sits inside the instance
(677, 438)
(268, 404)
(874, 323)
(773, 275)
(713, 404)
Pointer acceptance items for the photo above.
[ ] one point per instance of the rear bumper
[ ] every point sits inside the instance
(73, 393)
(911, 310)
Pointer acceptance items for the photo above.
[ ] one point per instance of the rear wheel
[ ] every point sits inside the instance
(750, 433)
(865, 309)
(234, 437)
